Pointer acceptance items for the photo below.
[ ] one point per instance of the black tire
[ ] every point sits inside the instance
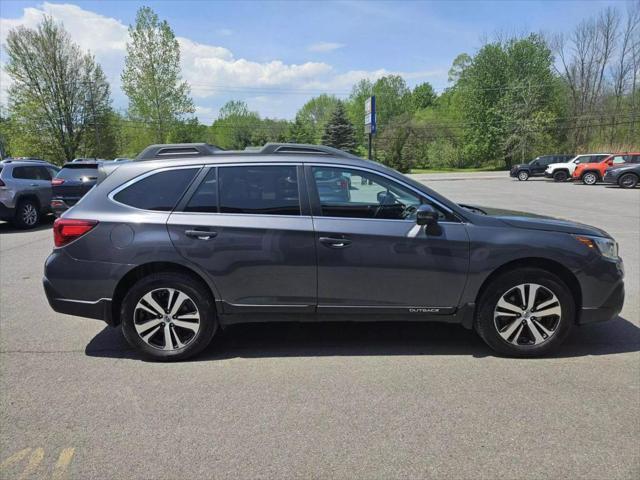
(198, 293)
(523, 175)
(27, 214)
(560, 176)
(590, 178)
(503, 284)
(628, 180)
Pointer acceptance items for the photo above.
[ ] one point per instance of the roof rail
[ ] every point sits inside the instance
(302, 148)
(177, 150)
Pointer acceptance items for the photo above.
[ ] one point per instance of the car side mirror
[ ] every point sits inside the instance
(426, 215)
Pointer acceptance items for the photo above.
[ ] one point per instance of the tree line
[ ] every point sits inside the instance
(513, 99)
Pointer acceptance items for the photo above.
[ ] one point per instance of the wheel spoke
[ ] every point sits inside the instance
(549, 311)
(151, 334)
(544, 329)
(546, 303)
(505, 305)
(516, 336)
(168, 343)
(142, 306)
(531, 299)
(509, 329)
(153, 304)
(537, 336)
(179, 344)
(143, 327)
(188, 325)
(178, 303)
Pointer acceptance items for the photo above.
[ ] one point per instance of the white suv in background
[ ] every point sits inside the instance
(563, 171)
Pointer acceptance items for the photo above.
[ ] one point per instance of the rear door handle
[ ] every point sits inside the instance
(201, 234)
(335, 242)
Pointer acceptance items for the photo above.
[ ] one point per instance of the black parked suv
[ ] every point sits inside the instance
(71, 183)
(172, 249)
(537, 166)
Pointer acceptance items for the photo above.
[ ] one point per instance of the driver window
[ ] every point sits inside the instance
(355, 193)
(618, 159)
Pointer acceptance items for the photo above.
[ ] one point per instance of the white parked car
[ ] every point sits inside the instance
(563, 171)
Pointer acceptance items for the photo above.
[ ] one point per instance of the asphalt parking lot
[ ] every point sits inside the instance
(325, 401)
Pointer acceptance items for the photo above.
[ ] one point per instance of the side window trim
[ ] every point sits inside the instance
(135, 180)
(195, 184)
(316, 208)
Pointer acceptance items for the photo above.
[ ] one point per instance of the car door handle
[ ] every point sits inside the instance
(201, 234)
(34, 184)
(335, 242)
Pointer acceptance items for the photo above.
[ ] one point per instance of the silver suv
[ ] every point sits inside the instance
(25, 191)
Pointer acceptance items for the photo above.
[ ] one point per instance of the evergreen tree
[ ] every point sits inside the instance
(339, 131)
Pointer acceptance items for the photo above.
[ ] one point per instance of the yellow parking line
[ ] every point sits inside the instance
(15, 458)
(60, 470)
(34, 461)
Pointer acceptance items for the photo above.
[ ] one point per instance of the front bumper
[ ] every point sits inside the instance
(609, 310)
(610, 177)
(6, 213)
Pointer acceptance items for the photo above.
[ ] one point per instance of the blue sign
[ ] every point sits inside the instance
(370, 115)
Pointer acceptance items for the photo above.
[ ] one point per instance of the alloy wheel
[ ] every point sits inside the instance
(527, 314)
(166, 319)
(628, 181)
(589, 178)
(29, 214)
(522, 176)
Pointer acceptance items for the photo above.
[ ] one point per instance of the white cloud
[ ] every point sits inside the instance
(214, 73)
(325, 46)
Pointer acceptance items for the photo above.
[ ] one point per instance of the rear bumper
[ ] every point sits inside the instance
(99, 309)
(607, 311)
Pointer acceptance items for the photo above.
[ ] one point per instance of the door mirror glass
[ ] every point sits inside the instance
(426, 215)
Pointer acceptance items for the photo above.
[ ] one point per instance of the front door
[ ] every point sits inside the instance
(373, 257)
(249, 228)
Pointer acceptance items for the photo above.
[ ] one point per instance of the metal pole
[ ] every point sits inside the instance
(369, 146)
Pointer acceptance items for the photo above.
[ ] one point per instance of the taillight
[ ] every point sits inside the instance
(67, 230)
(57, 181)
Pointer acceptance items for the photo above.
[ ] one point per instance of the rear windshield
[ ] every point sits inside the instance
(70, 172)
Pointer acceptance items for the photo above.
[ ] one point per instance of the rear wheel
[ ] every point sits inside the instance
(523, 175)
(560, 176)
(27, 214)
(525, 313)
(628, 180)
(168, 316)
(590, 178)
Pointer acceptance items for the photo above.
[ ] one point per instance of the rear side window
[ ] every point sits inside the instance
(257, 189)
(31, 173)
(75, 173)
(160, 191)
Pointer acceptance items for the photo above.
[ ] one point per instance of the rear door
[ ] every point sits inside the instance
(249, 227)
(33, 180)
(374, 258)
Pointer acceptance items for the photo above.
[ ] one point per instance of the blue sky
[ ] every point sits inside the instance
(276, 55)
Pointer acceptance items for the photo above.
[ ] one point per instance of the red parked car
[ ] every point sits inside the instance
(592, 173)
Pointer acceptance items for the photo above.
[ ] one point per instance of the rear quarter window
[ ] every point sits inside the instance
(159, 191)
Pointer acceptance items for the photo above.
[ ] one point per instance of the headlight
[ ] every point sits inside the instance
(606, 246)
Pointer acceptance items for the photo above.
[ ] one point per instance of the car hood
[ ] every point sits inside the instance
(520, 165)
(556, 165)
(533, 221)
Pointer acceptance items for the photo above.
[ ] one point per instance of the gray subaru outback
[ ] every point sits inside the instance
(188, 239)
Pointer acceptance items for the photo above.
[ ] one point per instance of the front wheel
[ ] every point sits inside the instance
(523, 176)
(589, 178)
(168, 316)
(628, 180)
(525, 313)
(560, 176)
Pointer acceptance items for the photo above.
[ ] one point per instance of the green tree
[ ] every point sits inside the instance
(235, 126)
(315, 114)
(152, 78)
(58, 95)
(301, 132)
(338, 131)
(423, 96)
